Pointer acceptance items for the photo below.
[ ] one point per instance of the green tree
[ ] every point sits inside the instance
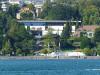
(65, 36)
(97, 35)
(2, 27)
(45, 51)
(13, 9)
(31, 7)
(91, 15)
(66, 2)
(59, 12)
(27, 16)
(18, 51)
(88, 51)
(31, 52)
(49, 40)
(20, 37)
(7, 49)
(85, 43)
(1, 32)
(47, 6)
(98, 49)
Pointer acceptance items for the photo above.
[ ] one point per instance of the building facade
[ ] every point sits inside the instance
(87, 30)
(42, 26)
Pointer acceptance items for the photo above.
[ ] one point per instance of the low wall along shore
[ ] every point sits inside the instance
(46, 57)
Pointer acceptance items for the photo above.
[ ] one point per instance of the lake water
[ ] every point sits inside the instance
(49, 67)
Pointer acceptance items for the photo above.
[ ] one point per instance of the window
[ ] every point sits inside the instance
(90, 34)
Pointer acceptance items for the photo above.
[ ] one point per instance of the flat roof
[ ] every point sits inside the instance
(46, 21)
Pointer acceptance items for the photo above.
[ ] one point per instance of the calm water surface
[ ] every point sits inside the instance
(49, 67)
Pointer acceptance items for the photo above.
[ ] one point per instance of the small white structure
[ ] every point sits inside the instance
(55, 54)
(73, 29)
(74, 54)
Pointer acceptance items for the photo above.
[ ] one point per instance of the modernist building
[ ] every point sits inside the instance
(41, 27)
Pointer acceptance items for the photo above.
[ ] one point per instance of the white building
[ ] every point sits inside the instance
(41, 27)
(4, 5)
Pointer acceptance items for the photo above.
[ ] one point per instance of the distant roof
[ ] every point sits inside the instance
(25, 10)
(88, 27)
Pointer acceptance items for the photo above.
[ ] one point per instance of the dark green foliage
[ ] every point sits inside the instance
(91, 15)
(98, 49)
(85, 10)
(65, 36)
(27, 16)
(67, 30)
(7, 48)
(2, 27)
(31, 6)
(13, 9)
(68, 2)
(46, 8)
(14, 38)
(88, 51)
(1, 31)
(59, 12)
(97, 35)
(85, 43)
(18, 51)
(20, 37)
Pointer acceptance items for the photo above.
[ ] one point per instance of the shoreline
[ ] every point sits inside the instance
(47, 57)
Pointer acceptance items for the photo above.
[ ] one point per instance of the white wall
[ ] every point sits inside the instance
(44, 32)
(74, 54)
(57, 28)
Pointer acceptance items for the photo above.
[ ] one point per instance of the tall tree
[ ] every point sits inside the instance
(47, 6)
(97, 35)
(1, 32)
(65, 35)
(7, 49)
(2, 27)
